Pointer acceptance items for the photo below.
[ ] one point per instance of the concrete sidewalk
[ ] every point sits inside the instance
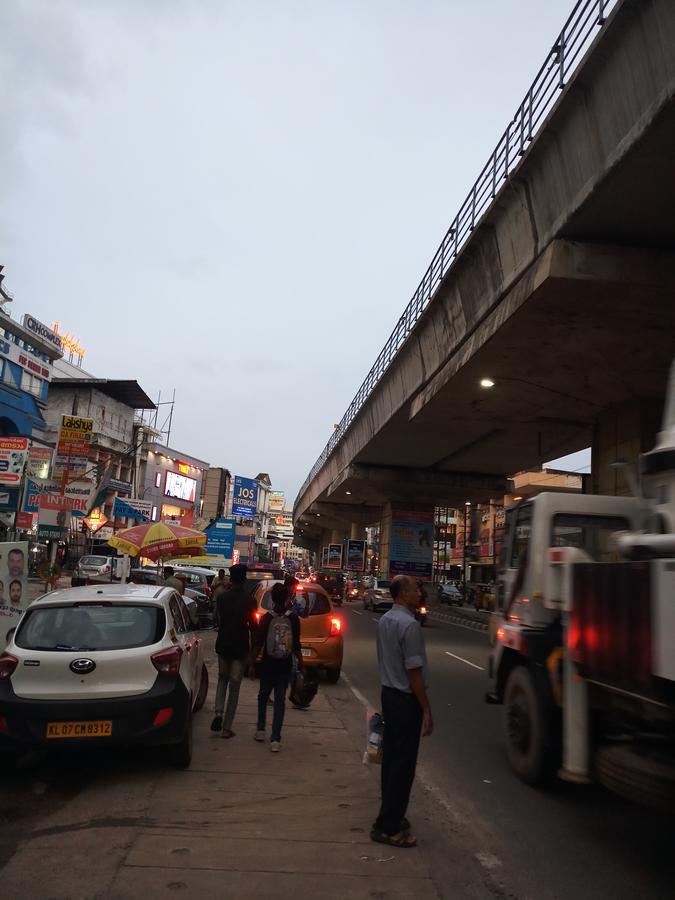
(242, 822)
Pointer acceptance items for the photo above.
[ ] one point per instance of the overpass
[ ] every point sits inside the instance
(555, 281)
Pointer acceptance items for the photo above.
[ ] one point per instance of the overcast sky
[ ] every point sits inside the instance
(237, 199)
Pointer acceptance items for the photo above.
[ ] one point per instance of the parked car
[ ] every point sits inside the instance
(94, 569)
(199, 605)
(450, 593)
(378, 597)
(148, 663)
(321, 636)
(197, 578)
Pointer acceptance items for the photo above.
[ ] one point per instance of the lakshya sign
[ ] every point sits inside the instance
(72, 450)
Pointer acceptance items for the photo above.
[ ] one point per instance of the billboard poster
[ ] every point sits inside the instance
(131, 508)
(13, 584)
(220, 537)
(411, 546)
(334, 560)
(72, 449)
(39, 461)
(277, 501)
(324, 557)
(13, 452)
(245, 497)
(356, 556)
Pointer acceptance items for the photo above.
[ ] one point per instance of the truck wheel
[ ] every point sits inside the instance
(640, 774)
(526, 724)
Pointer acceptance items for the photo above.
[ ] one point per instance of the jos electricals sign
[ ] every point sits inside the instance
(245, 497)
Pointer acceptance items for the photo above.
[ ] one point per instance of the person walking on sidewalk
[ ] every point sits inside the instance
(235, 608)
(405, 709)
(278, 636)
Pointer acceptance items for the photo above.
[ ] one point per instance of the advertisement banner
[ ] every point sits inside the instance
(13, 584)
(72, 449)
(356, 556)
(411, 547)
(245, 497)
(13, 452)
(52, 519)
(24, 520)
(324, 557)
(131, 508)
(277, 501)
(39, 461)
(220, 537)
(334, 560)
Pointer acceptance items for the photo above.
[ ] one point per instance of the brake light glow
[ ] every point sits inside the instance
(257, 615)
(423, 610)
(335, 627)
(7, 665)
(163, 717)
(167, 662)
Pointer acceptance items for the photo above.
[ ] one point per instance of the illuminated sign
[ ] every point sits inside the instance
(69, 342)
(183, 468)
(180, 487)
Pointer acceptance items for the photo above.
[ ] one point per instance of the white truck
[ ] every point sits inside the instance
(584, 653)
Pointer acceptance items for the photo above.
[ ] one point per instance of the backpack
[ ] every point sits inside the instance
(279, 637)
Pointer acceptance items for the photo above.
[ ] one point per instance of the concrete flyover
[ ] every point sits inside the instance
(563, 295)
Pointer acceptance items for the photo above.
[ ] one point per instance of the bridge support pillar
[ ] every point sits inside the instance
(357, 532)
(621, 435)
(407, 540)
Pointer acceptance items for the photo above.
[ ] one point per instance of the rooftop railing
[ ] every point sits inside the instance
(576, 36)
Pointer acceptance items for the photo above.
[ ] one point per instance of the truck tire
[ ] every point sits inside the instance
(526, 722)
(638, 773)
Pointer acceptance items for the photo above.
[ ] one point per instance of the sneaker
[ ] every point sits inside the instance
(275, 746)
(217, 724)
(259, 735)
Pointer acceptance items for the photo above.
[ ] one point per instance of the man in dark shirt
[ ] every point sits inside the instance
(276, 666)
(235, 608)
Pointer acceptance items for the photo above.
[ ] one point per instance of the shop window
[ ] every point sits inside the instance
(158, 478)
(31, 384)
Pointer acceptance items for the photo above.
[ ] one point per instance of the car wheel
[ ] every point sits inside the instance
(333, 675)
(203, 689)
(181, 753)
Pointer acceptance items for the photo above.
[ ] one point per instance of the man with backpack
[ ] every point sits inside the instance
(278, 636)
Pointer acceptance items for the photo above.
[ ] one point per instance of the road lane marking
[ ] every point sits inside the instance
(356, 612)
(356, 692)
(461, 659)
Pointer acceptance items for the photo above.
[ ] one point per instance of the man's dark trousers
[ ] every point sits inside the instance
(402, 716)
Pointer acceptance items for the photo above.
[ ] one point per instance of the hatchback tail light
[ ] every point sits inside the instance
(167, 662)
(163, 717)
(423, 610)
(7, 665)
(257, 615)
(335, 627)
(106, 569)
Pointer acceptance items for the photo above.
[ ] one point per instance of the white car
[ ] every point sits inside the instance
(103, 664)
(379, 596)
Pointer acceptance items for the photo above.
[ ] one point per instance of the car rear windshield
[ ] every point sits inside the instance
(91, 627)
(94, 561)
(307, 603)
(384, 584)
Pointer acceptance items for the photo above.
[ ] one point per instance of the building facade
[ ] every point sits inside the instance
(172, 481)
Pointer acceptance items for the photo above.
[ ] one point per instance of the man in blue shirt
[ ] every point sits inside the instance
(405, 708)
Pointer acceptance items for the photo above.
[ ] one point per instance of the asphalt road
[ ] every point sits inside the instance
(563, 842)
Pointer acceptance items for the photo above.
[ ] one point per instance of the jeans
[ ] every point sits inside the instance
(278, 684)
(402, 716)
(230, 673)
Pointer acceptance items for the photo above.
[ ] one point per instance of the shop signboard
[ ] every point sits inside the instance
(31, 502)
(39, 461)
(72, 449)
(24, 520)
(356, 556)
(220, 537)
(13, 582)
(33, 364)
(52, 521)
(334, 559)
(411, 547)
(9, 499)
(245, 497)
(277, 501)
(131, 508)
(13, 452)
(47, 334)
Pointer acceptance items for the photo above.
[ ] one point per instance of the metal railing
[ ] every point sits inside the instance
(574, 39)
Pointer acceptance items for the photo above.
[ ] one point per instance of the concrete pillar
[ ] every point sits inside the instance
(621, 435)
(357, 532)
(408, 525)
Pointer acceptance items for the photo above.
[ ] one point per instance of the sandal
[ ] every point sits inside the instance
(403, 840)
(405, 824)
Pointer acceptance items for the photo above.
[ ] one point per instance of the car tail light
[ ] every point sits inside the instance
(7, 665)
(335, 627)
(257, 615)
(163, 717)
(423, 610)
(106, 569)
(167, 662)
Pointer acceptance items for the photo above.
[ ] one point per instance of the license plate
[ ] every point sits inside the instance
(98, 728)
(306, 651)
